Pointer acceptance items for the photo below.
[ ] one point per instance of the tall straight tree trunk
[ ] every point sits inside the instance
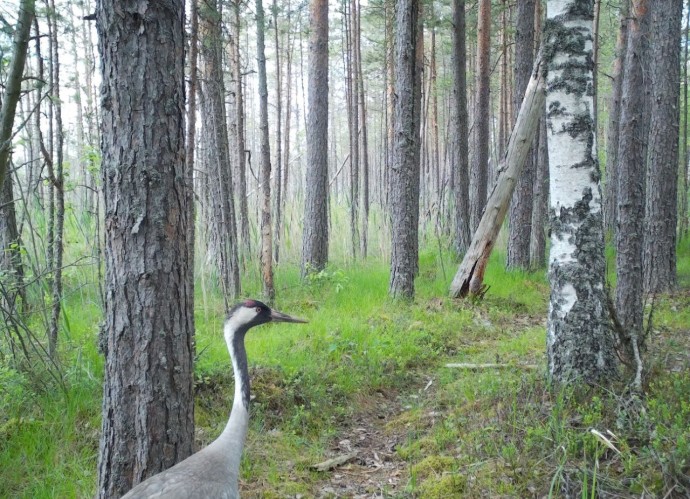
(364, 239)
(683, 167)
(315, 236)
(288, 108)
(279, 145)
(191, 139)
(579, 342)
(540, 208)
(239, 130)
(353, 103)
(148, 410)
(266, 236)
(661, 216)
(404, 194)
(462, 215)
(631, 180)
(218, 164)
(480, 166)
(520, 221)
(57, 180)
(613, 131)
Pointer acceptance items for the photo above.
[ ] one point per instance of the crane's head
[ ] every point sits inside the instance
(250, 313)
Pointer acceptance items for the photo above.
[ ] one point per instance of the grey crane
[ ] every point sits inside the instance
(213, 472)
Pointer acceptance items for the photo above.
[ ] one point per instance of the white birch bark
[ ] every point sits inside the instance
(579, 340)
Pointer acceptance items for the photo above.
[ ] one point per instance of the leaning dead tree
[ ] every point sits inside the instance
(470, 275)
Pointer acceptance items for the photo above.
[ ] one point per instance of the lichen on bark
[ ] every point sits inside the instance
(580, 343)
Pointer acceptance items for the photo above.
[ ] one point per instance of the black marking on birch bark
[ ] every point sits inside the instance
(585, 277)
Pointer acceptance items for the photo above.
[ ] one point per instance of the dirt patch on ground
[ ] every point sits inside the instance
(376, 471)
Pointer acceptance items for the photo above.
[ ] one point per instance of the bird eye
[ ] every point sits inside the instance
(258, 310)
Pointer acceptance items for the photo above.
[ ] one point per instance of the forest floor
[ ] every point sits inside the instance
(366, 381)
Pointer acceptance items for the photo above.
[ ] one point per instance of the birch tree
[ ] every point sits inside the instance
(579, 342)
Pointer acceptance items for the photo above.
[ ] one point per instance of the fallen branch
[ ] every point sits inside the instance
(470, 275)
(492, 366)
(334, 463)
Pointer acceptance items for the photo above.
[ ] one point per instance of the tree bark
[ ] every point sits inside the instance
(240, 138)
(613, 131)
(520, 220)
(266, 236)
(279, 144)
(631, 178)
(404, 195)
(315, 237)
(661, 216)
(480, 166)
(462, 218)
(222, 224)
(57, 180)
(469, 278)
(148, 411)
(580, 345)
(540, 209)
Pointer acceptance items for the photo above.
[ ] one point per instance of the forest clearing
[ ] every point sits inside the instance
(466, 223)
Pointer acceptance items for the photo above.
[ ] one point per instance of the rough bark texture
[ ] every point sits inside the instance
(404, 192)
(631, 177)
(315, 237)
(148, 411)
(612, 134)
(659, 253)
(470, 275)
(57, 180)
(580, 345)
(540, 209)
(480, 165)
(278, 189)
(461, 174)
(266, 236)
(520, 221)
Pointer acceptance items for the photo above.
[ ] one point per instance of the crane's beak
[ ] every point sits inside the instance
(281, 317)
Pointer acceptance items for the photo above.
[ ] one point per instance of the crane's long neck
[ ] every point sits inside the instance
(233, 436)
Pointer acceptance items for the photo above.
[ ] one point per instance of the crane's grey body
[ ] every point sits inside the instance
(213, 472)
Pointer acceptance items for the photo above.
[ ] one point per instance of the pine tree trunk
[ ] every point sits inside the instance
(266, 236)
(631, 178)
(520, 221)
(279, 144)
(540, 209)
(661, 216)
(462, 219)
(579, 341)
(364, 239)
(404, 195)
(239, 130)
(684, 168)
(219, 171)
(613, 132)
(315, 237)
(57, 180)
(148, 411)
(479, 172)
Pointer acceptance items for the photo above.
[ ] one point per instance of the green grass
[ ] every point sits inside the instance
(497, 433)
